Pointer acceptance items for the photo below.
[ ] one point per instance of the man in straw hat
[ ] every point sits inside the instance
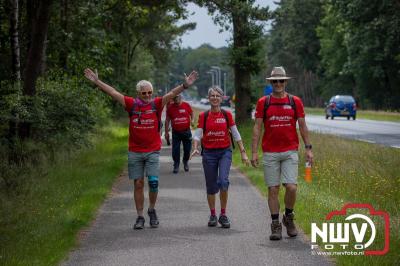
(278, 114)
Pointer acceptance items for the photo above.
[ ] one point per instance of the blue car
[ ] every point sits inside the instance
(341, 105)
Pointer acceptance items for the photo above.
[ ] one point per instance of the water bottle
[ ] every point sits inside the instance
(308, 176)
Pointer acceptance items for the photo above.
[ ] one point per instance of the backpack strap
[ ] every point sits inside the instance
(205, 120)
(154, 109)
(266, 105)
(229, 128)
(292, 104)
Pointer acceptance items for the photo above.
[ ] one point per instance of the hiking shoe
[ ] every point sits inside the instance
(224, 221)
(139, 224)
(289, 224)
(186, 166)
(276, 231)
(213, 221)
(153, 218)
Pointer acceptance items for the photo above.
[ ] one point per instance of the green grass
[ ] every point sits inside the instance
(39, 224)
(362, 114)
(345, 171)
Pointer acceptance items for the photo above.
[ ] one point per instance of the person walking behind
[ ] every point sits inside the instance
(278, 114)
(213, 131)
(144, 138)
(180, 114)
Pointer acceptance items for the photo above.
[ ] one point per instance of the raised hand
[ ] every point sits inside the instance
(189, 80)
(90, 75)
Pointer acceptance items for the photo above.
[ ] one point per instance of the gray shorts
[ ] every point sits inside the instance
(141, 164)
(281, 168)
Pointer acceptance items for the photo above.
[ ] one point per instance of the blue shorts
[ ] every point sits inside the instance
(216, 165)
(141, 164)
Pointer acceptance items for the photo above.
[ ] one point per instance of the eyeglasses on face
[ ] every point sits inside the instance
(274, 81)
(144, 93)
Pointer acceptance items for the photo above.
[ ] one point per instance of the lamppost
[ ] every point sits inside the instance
(225, 83)
(212, 77)
(219, 74)
(214, 71)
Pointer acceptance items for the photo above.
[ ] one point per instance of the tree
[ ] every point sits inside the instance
(294, 44)
(245, 57)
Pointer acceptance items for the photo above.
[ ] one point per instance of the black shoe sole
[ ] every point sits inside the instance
(138, 228)
(225, 226)
(274, 238)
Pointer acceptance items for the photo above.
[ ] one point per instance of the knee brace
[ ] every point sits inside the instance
(153, 183)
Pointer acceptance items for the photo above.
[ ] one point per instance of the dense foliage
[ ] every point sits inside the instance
(46, 105)
(339, 47)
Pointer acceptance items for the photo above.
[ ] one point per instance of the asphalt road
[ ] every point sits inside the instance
(379, 132)
(372, 131)
(183, 237)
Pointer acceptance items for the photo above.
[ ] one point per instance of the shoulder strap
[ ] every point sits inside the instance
(266, 105)
(205, 120)
(229, 128)
(292, 104)
(133, 108)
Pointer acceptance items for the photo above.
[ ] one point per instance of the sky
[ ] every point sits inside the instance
(206, 31)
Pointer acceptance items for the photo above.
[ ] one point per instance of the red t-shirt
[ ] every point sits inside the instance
(180, 116)
(217, 131)
(280, 133)
(143, 133)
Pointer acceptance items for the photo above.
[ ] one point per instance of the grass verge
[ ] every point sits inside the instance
(345, 171)
(362, 114)
(39, 224)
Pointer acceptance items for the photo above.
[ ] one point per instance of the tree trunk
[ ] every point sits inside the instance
(242, 75)
(35, 55)
(14, 41)
(64, 26)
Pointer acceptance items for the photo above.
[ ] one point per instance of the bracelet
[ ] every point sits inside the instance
(185, 86)
(241, 151)
(308, 146)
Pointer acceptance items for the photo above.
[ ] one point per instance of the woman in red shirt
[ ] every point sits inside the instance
(213, 132)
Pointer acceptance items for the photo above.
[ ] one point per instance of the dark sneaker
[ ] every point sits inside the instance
(186, 166)
(139, 224)
(213, 221)
(276, 231)
(176, 169)
(224, 221)
(153, 218)
(289, 224)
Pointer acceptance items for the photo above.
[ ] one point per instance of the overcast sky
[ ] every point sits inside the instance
(206, 31)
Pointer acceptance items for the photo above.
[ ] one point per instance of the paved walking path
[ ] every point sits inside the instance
(183, 237)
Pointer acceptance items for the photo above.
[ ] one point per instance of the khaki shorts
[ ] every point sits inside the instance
(280, 168)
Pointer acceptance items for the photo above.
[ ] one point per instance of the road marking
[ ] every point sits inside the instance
(367, 140)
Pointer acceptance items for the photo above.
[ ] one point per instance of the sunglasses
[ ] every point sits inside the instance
(144, 93)
(274, 81)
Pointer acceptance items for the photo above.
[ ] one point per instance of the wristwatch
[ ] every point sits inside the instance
(308, 146)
